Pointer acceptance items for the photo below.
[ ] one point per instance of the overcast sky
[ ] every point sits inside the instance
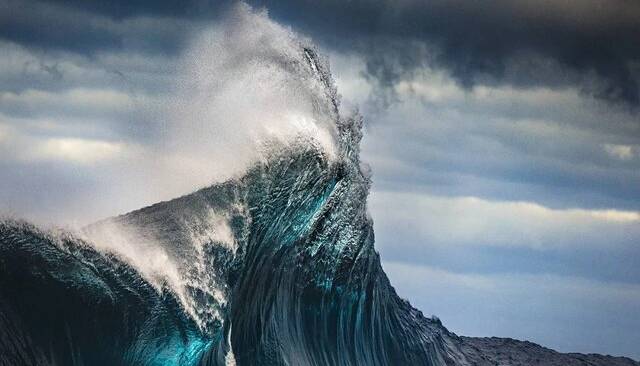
(504, 139)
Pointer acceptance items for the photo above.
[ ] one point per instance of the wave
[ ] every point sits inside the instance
(277, 267)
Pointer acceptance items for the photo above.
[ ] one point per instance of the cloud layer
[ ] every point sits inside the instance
(588, 44)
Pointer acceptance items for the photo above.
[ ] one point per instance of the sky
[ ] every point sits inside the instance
(503, 136)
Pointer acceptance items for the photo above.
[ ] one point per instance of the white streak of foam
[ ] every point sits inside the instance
(152, 261)
(184, 269)
(230, 358)
(209, 230)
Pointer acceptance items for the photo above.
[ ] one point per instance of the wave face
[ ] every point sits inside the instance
(277, 267)
(299, 283)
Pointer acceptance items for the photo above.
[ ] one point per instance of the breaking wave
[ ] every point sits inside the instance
(277, 267)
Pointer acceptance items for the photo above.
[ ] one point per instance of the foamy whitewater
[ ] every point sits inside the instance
(275, 266)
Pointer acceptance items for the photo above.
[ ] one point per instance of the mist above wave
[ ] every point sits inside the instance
(246, 86)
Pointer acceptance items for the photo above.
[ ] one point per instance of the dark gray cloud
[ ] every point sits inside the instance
(591, 44)
(131, 8)
(89, 27)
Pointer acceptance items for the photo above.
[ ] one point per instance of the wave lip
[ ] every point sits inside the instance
(301, 282)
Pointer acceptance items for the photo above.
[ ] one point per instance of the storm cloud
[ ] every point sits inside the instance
(591, 44)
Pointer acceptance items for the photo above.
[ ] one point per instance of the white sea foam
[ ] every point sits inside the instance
(246, 83)
(183, 270)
